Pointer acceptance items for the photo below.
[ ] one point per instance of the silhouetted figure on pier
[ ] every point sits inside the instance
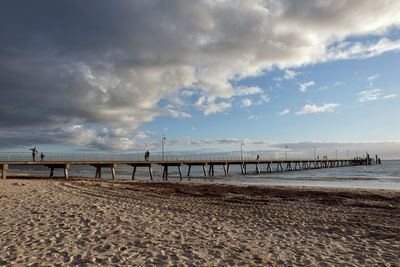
(377, 160)
(147, 155)
(42, 155)
(258, 157)
(34, 152)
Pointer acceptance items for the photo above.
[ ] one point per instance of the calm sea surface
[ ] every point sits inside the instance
(385, 176)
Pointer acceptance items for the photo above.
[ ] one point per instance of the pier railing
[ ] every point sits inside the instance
(51, 156)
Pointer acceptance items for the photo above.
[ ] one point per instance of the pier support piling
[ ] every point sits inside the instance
(257, 168)
(147, 164)
(211, 170)
(269, 167)
(104, 165)
(180, 172)
(204, 171)
(133, 173)
(279, 167)
(4, 168)
(98, 173)
(289, 167)
(225, 169)
(151, 173)
(52, 167)
(165, 173)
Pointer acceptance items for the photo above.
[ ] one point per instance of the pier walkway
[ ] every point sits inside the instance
(208, 166)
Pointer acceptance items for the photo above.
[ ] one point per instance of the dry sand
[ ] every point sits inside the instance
(59, 222)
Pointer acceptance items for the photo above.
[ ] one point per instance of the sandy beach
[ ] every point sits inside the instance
(77, 222)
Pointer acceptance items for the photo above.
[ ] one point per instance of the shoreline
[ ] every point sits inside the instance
(193, 181)
(87, 222)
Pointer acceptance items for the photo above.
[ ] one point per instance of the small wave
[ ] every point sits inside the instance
(324, 178)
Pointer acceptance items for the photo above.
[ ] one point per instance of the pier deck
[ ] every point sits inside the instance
(266, 166)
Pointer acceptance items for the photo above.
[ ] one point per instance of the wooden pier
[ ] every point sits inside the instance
(260, 166)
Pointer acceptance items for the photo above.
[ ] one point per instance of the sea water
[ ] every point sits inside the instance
(384, 176)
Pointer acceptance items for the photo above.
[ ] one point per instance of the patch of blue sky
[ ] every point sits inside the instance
(339, 81)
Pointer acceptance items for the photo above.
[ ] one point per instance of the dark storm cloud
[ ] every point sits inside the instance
(91, 72)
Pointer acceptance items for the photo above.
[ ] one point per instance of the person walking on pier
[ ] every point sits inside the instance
(258, 157)
(34, 152)
(147, 155)
(42, 156)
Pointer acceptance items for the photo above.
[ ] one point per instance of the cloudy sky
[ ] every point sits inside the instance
(118, 75)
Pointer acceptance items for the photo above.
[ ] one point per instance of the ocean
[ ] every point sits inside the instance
(384, 176)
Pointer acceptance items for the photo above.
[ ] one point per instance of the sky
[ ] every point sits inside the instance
(209, 76)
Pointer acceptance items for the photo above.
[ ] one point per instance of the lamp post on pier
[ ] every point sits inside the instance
(162, 147)
(286, 147)
(241, 150)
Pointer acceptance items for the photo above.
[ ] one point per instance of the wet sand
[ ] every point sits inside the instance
(77, 222)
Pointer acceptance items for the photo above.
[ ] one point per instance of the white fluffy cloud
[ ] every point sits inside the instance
(389, 96)
(303, 87)
(373, 77)
(209, 106)
(290, 74)
(311, 108)
(263, 99)
(117, 65)
(373, 94)
(347, 50)
(246, 102)
(369, 95)
(284, 112)
(241, 91)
